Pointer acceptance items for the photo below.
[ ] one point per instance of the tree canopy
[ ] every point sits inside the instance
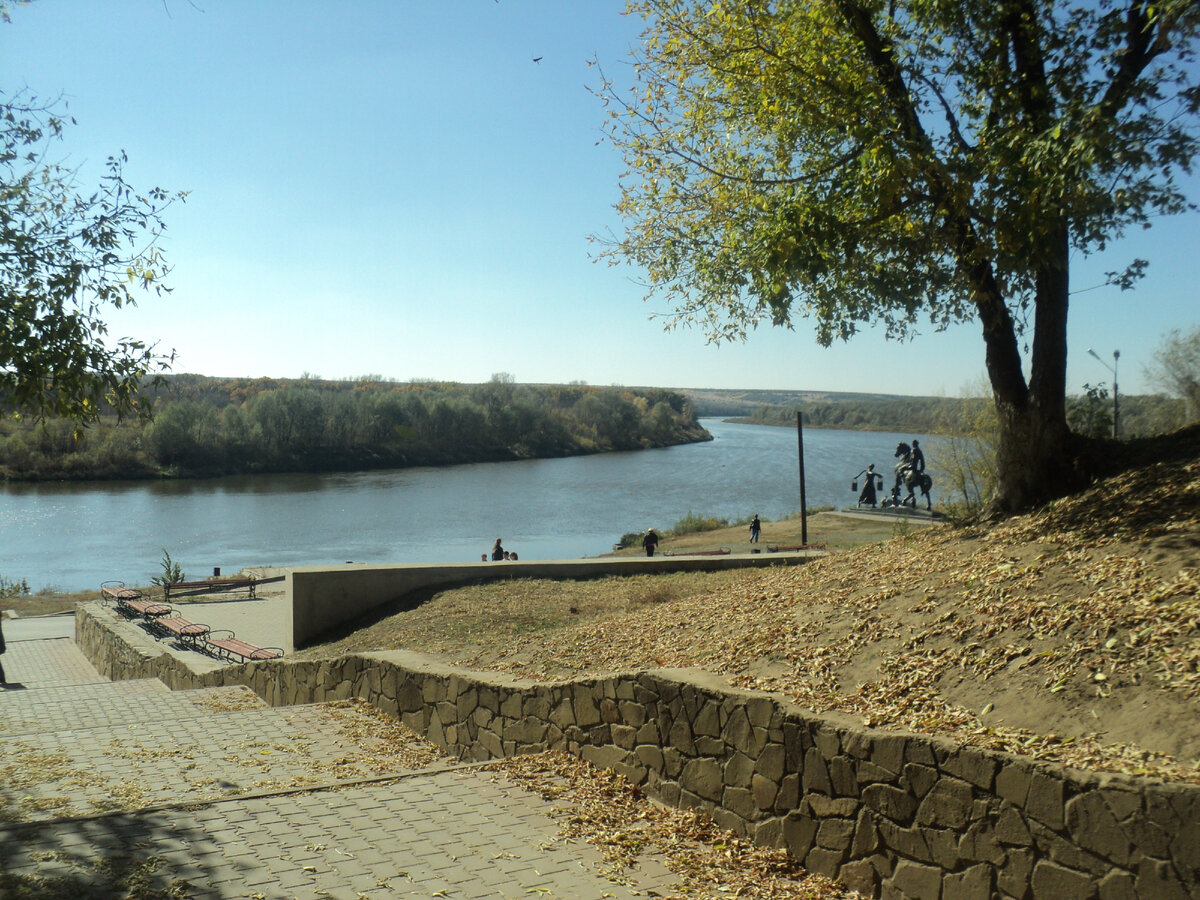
(890, 161)
(66, 256)
(213, 426)
(1176, 368)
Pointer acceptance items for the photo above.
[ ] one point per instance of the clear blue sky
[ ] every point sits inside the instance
(397, 188)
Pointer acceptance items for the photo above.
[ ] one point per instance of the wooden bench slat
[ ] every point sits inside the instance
(181, 628)
(229, 647)
(147, 608)
(213, 584)
(120, 594)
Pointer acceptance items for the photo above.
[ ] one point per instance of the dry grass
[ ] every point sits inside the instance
(1072, 634)
(498, 616)
(46, 603)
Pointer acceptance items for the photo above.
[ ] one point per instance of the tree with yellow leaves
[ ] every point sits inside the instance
(883, 161)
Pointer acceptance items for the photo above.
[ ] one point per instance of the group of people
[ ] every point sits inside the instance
(499, 554)
(869, 497)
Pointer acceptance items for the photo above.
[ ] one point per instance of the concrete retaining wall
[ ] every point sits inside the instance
(892, 815)
(324, 597)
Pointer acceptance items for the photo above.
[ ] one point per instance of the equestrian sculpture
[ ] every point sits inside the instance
(910, 472)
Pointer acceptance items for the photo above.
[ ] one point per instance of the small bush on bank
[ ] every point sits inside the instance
(172, 572)
(693, 523)
(13, 588)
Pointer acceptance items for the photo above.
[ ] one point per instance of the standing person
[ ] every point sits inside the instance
(650, 542)
(755, 528)
(868, 492)
(3, 683)
(497, 551)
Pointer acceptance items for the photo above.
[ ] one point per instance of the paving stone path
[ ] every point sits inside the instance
(129, 790)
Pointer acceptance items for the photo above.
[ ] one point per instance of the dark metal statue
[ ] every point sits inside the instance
(911, 477)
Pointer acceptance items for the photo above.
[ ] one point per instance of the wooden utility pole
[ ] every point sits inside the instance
(803, 498)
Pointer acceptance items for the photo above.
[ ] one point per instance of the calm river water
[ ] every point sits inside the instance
(73, 536)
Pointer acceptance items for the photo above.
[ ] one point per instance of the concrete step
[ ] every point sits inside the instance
(50, 662)
(447, 834)
(111, 704)
(202, 746)
(116, 788)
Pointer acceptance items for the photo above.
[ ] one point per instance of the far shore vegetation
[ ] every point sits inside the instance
(203, 427)
(1141, 415)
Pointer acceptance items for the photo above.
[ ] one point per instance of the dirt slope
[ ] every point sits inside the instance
(1070, 634)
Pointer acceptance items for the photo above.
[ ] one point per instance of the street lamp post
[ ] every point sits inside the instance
(1113, 369)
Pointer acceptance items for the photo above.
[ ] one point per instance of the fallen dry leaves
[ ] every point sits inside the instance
(603, 809)
(1085, 614)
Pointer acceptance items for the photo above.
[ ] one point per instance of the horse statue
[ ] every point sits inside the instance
(907, 475)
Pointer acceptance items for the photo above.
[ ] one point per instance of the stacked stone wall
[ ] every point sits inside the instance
(892, 815)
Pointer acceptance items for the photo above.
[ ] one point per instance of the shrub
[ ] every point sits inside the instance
(692, 523)
(13, 588)
(172, 572)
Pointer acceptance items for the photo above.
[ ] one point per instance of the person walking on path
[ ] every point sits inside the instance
(3, 683)
(650, 542)
(755, 528)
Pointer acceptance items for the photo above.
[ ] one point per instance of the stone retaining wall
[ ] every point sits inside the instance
(892, 815)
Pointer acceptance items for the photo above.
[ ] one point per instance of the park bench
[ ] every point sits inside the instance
(129, 602)
(185, 632)
(212, 584)
(146, 609)
(722, 552)
(233, 649)
(791, 548)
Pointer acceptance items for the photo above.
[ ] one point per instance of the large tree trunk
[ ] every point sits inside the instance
(1036, 457)
(1035, 461)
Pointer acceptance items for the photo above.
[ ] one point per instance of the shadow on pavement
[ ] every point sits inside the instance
(159, 855)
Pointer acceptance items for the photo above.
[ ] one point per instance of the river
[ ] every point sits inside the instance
(72, 536)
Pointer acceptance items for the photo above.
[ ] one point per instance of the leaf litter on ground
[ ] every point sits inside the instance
(1071, 634)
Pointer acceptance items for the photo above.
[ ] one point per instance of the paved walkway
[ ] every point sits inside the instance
(125, 789)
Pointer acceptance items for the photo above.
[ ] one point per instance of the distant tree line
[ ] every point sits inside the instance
(211, 426)
(1090, 413)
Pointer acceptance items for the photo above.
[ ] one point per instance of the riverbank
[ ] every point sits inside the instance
(834, 530)
(71, 537)
(828, 530)
(1071, 634)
